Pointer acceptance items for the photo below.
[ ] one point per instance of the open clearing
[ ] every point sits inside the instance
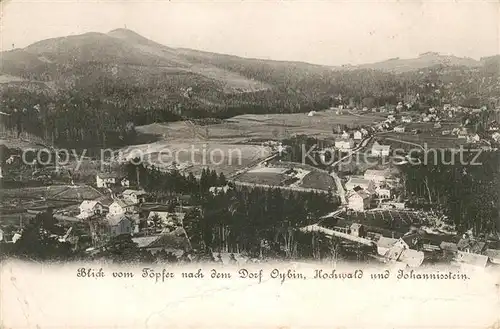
(247, 127)
(318, 180)
(193, 157)
(229, 145)
(63, 192)
(434, 141)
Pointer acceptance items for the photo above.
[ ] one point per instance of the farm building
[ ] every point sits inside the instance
(359, 200)
(399, 129)
(380, 150)
(365, 184)
(358, 135)
(406, 119)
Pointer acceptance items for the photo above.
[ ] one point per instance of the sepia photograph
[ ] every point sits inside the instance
(249, 164)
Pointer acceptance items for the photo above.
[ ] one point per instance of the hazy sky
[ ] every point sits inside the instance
(325, 32)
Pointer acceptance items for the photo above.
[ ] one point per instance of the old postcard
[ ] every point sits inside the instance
(249, 164)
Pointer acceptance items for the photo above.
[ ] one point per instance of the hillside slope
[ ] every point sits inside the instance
(426, 60)
(121, 56)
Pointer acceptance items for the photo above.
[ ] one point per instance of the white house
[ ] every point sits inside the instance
(344, 144)
(383, 193)
(119, 207)
(219, 189)
(125, 182)
(358, 135)
(473, 138)
(119, 224)
(345, 135)
(364, 132)
(399, 129)
(134, 196)
(378, 176)
(380, 150)
(496, 137)
(359, 200)
(406, 119)
(105, 179)
(89, 208)
(365, 184)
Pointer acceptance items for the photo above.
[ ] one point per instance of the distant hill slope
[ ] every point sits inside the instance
(426, 60)
(120, 55)
(128, 70)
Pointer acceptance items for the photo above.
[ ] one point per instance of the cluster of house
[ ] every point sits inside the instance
(119, 213)
(349, 139)
(123, 214)
(106, 180)
(374, 184)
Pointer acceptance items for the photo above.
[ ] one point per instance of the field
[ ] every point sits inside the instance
(318, 180)
(193, 157)
(272, 179)
(247, 127)
(229, 145)
(62, 192)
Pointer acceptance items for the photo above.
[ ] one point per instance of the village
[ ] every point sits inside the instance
(358, 168)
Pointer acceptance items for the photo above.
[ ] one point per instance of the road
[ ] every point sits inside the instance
(291, 188)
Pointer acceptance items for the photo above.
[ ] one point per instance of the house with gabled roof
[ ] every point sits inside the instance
(175, 242)
(121, 206)
(359, 200)
(105, 179)
(89, 208)
(119, 224)
(134, 196)
(356, 181)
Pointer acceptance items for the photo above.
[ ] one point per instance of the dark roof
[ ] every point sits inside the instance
(115, 220)
(174, 240)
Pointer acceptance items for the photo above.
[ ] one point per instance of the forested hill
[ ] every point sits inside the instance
(121, 79)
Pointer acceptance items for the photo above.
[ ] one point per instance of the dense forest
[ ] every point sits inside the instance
(239, 219)
(467, 191)
(106, 113)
